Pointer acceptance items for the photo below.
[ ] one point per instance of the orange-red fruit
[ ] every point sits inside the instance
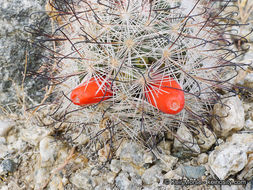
(166, 95)
(91, 92)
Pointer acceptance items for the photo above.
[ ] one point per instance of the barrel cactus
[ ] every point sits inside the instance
(137, 69)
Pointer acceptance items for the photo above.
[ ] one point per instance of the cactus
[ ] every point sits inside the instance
(154, 65)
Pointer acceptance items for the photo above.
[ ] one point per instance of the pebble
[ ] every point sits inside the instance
(48, 151)
(122, 181)
(232, 116)
(5, 127)
(115, 166)
(41, 176)
(33, 134)
(202, 158)
(166, 162)
(83, 180)
(190, 143)
(152, 175)
(111, 177)
(205, 139)
(249, 124)
(231, 157)
(248, 80)
(7, 165)
(131, 152)
(247, 172)
(193, 172)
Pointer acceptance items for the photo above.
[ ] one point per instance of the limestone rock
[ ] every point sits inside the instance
(187, 141)
(231, 115)
(231, 157)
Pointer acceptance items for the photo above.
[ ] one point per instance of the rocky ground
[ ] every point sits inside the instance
(31, 157)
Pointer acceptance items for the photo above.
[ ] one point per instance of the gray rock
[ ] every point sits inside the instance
(194, 172)
(83, 179)
(48, 151)
(14, 16)
(122, 181)
(187, 141)
(231, 157)
(152, 175)
(8, 165)
(232, 116)
(115, 166)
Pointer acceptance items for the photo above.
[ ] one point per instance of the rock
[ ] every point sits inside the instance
(166, 162)
(34, 134)
(231, 115)
(131, 168)
(152, 175)
(193, 172)
(247, 172)
(165, 147)
(41, 176)
(131, 152)
(122, 181)
(7, 165)
(187, 141)
(105, 153)
(48, 151)
(14, 16)
(248, 80)
(5, 127)
(205, 139)
(115, 166)
(231, 157)
(148, 158)
(249, 124)
(83, 180)
(111, 177)
(202, 158)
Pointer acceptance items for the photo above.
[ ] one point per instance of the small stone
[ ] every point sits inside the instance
(111, 177)
(247, 172)
(202, 158)
(188, 143)
(167, 162)
(122, 181)
(105, 153)
(249, 124)
(83, 179)
(115, 166)
(48, 151)
(193, 172)
(132, 152)
(94, 172)
(231, 157)
(65, 181)
(165, 147)
(152, 175)
(41, 176)
(205, 139)
(131, 168)
(33, 134)
(5, 127)
(7, 165)
(231, 114)
(148, 158)
(248, 80)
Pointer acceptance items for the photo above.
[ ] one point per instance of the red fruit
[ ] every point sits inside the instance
(166, 95)
(90, 92)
